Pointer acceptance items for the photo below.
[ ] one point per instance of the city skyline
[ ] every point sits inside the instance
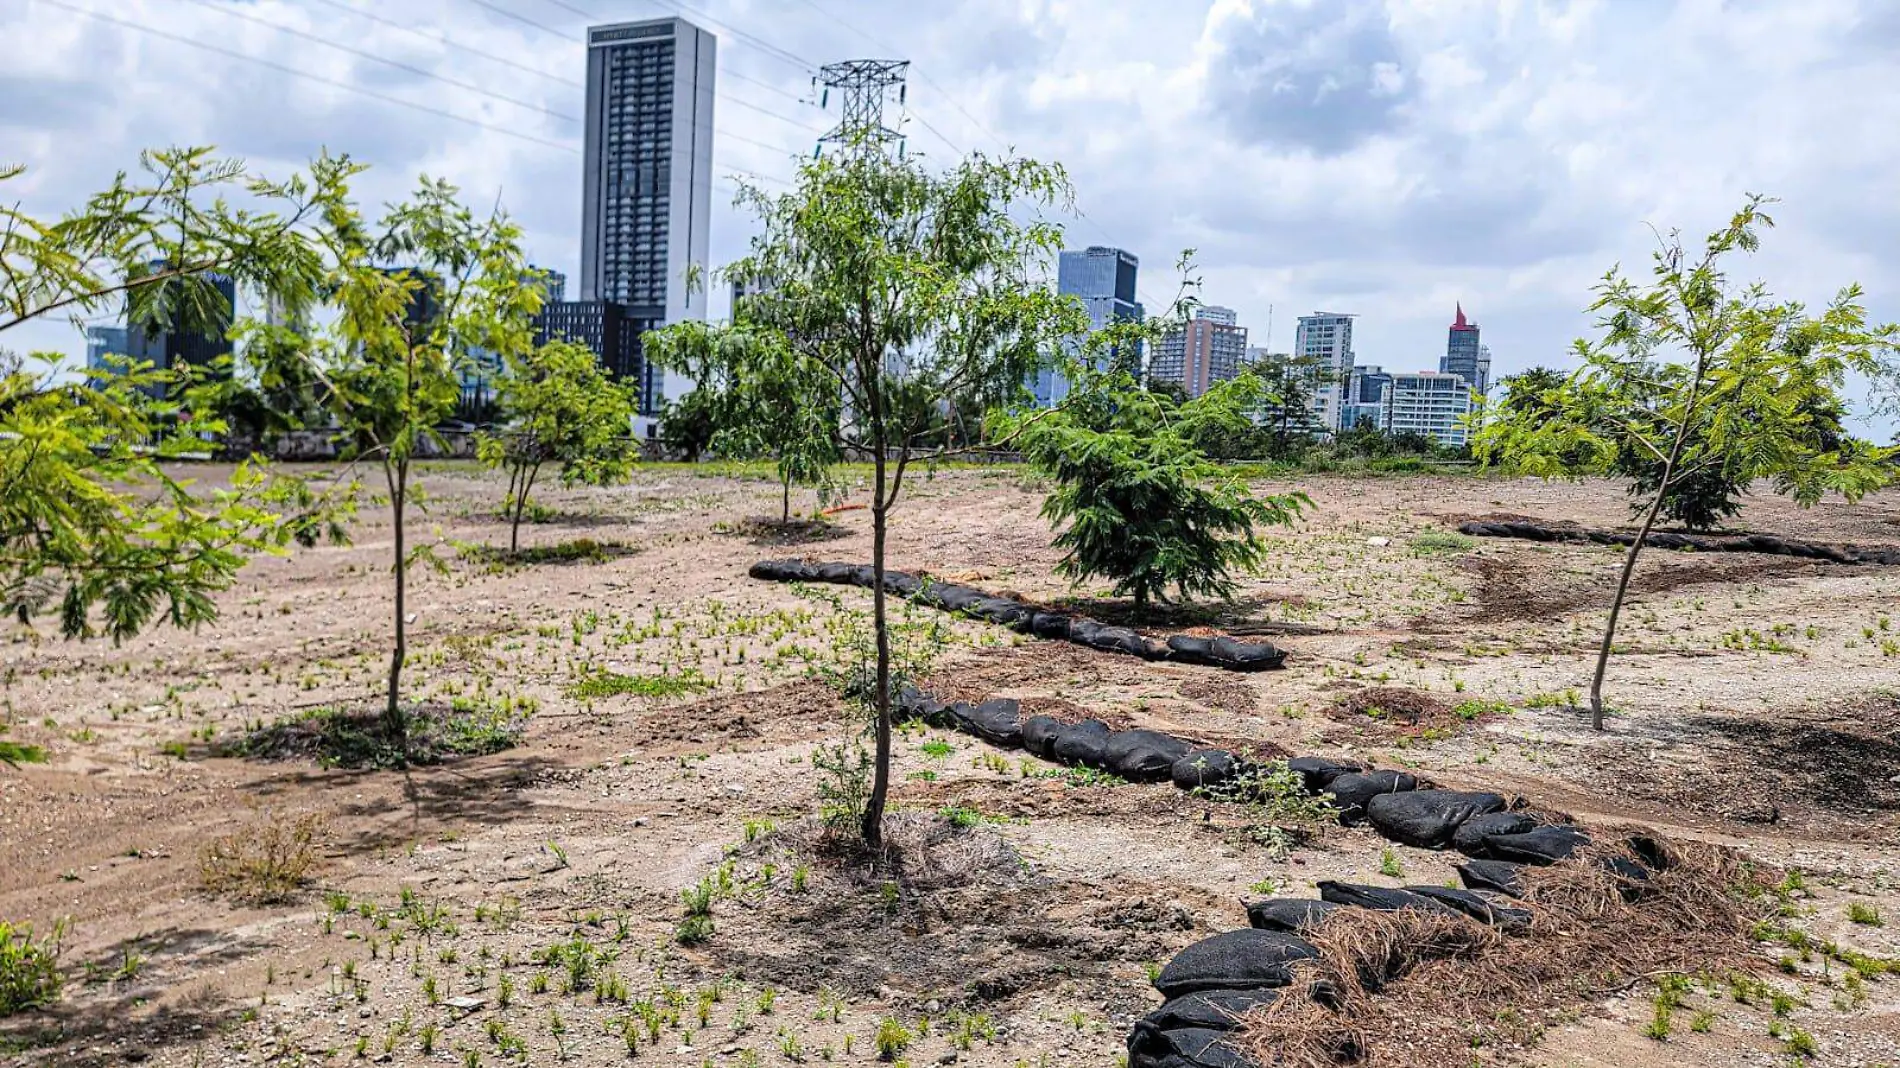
(1386, 200)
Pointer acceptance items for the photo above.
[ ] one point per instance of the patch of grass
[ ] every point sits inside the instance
(1442, 541)
(265, 862)
(29, 967)
(1865, 915)
(344, 738)
(13, 754)
(1474, 709)
(602, 684)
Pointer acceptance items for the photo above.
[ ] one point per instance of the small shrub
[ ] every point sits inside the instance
(265, 862)
(1389, 864)
(694, 930)
(892, 1039)
(1865, 915)
(29, 968)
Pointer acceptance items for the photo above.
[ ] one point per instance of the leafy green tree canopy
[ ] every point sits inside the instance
(1139, 503)
(559, 406)
(1695, 374)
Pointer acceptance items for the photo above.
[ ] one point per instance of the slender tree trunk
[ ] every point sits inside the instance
(785, 500)
(881, 774)
(394, 722)
(1616, 608)
(1636, 547)
(521, 506)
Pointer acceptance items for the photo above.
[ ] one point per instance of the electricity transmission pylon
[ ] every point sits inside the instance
(864, 84)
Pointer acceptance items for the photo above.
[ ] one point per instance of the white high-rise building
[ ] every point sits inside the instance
(1326, 339)
(1214, 313)
(1432, 403)
(646, 178)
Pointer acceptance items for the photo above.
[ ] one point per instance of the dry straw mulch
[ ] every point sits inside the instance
(1420, 988)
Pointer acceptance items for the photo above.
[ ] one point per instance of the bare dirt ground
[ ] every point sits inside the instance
(1755, 705)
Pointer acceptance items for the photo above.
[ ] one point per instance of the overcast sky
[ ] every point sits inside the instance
(1384, 159)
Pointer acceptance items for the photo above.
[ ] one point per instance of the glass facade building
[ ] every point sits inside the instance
(1103, 279)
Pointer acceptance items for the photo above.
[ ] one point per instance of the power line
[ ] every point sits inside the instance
(321, 79)
(443, 38)
(728, 98)
(699, 16)
(420, 71)
(523, 19)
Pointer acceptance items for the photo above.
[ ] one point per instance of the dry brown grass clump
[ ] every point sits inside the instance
(1424, 988)
(264, 862)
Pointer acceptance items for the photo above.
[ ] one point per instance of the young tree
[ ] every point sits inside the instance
(1289, 384)
(1700, 374)
(400, 334)
(558, 406)
(1144, 505)
(152, 245)
(760, 398)
(915, 294)
(90, 518)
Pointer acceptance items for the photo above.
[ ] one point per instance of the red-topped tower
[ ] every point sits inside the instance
(1464, 356)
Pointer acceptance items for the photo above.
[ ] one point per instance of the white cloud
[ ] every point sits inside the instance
(1381, 158)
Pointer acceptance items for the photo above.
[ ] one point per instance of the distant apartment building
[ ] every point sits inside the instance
(1325, 338)
(101, 342)
(1209, 348)
(480, 372)
(169, 349)
(1432, 403)
(1465, 356)
(612, 330)
(1365, 398)
(1104, 280)
(646, 186)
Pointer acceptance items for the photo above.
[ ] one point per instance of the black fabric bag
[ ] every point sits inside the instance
(1189, 1047)
(1205, 767)
(1143, 756)
(1291, 915)
(1039, 735)
(1470, 835)
(1081, 744)
(1235, 960)
(1475, 906)
(1427, 819)
(1352, 790)
(997, 721)
(1545, 845)
(1319, 772)
(1378, 898)
(1497, 876)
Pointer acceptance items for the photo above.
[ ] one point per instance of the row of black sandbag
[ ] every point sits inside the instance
(1135, 755)
(1223, 652)
(1766, 544)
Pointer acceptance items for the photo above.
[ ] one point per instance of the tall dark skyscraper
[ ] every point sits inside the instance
(168, 349)
(1464, 356)
(646, 185)
(1104, 280)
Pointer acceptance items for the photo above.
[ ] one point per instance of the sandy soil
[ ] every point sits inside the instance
(1755, 704)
